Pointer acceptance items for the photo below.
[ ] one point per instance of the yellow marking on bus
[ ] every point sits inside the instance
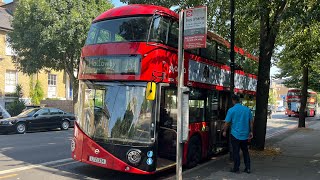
(8, 176)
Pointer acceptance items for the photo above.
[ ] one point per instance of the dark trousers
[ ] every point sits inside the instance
(236, 146)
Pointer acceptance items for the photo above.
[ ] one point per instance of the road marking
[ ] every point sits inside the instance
(34, 166)
(64, 164)
(8, 176)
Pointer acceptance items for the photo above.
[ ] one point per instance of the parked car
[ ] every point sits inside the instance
(31, 107)
(281, 109)
(38, 118)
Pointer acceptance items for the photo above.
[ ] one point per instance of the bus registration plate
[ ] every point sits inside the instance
(97, 160)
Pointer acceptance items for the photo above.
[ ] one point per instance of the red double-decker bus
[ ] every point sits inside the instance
(293, 100)
(131, 54)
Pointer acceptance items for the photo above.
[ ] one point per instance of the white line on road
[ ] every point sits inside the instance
(34, 166)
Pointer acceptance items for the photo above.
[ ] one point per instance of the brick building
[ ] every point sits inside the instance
(280, 90)
(54, 84)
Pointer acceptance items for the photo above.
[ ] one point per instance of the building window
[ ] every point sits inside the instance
(9, 51)
(52, 85)
(10, 81)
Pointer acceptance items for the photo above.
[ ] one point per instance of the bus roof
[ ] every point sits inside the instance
(144, 9)
(135, 9)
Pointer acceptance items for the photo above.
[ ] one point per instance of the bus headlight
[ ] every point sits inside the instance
(134, 156)
(73, 145)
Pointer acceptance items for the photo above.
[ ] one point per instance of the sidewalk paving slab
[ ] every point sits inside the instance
(299, 158)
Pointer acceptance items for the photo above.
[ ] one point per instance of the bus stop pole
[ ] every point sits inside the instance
(232, 64)
(180, 85)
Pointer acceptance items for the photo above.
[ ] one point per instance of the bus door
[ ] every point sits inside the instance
(223, 106)
(213, 119)
(167, 128)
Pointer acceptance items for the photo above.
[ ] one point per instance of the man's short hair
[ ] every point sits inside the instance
(235, 97)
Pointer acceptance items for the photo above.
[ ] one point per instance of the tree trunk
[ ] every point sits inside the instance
(75, 84)
(75, 88)
(268, 34)
(304, 93)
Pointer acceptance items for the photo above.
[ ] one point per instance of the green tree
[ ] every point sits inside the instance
(272, 97)
(300, 59)
(36, 93)
(49, 34)
(17, 105)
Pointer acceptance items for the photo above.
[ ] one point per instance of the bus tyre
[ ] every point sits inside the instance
(21, 128)
(194, 152)
(65, 125)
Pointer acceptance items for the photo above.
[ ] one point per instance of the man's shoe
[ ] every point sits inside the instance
(247, 170)
(234, 171)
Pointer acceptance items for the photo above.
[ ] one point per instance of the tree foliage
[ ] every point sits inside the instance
(36, 93)
(49, 34)
(272, 97)
(299, 59)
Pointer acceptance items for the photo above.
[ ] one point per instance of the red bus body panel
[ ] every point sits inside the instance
(87, 147)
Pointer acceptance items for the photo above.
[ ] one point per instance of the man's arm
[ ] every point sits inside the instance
(225, 128)
(251, 130)
(251, 126)
(227, 123)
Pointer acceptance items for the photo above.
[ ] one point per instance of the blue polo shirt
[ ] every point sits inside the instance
(239, 116)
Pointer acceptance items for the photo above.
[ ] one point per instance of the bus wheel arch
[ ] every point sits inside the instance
(194, 153)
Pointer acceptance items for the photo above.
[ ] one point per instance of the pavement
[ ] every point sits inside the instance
(294, 154)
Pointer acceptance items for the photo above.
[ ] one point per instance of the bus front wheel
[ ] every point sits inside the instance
(194, 152)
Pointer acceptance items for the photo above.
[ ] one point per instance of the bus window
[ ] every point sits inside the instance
(159, 32)
(173, 34)
(193, 51)
(196, 106)
(103, 36)
(131, 29)
(210, 51)
(212, 105)
(223, 55)
(168, 109)
(250, 66)
(92, 35)
(239, 59)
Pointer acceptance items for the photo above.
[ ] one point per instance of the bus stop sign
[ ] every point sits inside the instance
(195, 28)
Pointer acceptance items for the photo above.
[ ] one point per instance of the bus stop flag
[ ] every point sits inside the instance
(195, 28)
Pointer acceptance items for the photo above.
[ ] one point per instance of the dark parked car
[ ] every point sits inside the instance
(38, 118)
(31, 107)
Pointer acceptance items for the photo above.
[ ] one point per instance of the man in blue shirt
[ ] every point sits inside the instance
(240, 119)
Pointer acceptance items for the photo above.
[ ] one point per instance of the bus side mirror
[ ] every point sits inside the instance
(151, 91)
